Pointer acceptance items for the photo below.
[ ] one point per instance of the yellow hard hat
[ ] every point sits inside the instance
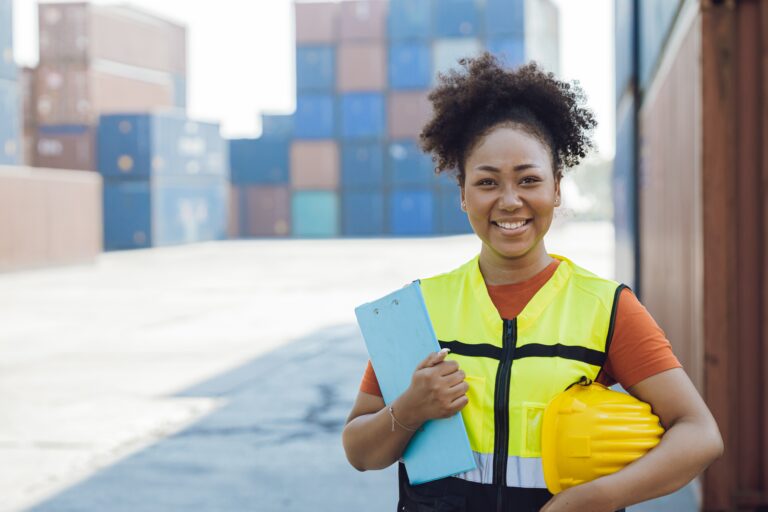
(589, 431)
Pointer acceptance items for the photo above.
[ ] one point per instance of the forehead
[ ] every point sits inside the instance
(508, 145)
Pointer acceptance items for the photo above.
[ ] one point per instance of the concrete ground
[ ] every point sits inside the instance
(209, 377)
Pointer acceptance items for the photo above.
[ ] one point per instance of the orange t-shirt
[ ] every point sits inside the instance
(639, 348)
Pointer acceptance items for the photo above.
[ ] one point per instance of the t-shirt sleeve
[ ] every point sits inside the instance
(370, 384)
(639, 348)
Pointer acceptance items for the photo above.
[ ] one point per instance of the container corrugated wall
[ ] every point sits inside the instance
(703, 81)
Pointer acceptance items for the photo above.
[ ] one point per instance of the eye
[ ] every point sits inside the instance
(528, 180)
(485, 182)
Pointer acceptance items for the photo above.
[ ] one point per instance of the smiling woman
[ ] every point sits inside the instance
(522, 324)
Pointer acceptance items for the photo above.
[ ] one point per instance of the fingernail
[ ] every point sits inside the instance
(445, 350)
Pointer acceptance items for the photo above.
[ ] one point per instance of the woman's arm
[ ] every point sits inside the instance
(691, 443)
(373, 441)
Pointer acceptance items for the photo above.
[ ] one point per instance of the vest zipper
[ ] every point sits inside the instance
(501, 409)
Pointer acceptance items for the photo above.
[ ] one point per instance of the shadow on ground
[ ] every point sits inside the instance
(274, 445)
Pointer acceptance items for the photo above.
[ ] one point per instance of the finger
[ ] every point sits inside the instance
(460, 388)
(434, 358)
(447, 367)
(454, 378)
(459, 403)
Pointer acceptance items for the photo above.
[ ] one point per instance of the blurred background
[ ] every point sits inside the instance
(194, 196)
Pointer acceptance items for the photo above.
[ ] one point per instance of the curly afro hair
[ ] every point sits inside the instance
(468, 102)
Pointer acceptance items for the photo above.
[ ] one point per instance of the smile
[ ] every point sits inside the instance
(511, 227)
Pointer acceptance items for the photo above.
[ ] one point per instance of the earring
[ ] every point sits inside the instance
(464, 206)
(557, 201)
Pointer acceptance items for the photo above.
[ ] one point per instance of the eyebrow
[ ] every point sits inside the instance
(521, 167)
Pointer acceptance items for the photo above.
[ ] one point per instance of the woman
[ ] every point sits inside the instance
(523, 324)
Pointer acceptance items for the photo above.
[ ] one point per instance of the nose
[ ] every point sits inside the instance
(509, 199)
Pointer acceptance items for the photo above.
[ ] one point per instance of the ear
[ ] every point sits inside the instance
(558, 177)
(463, 199)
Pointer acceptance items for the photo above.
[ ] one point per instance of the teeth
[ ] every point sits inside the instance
(508, 225)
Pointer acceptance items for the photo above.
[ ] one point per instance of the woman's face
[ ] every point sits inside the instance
(510, 191)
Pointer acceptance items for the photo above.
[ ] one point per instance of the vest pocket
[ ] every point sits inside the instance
(532, 417)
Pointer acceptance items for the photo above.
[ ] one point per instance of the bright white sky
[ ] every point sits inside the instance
(241, 59)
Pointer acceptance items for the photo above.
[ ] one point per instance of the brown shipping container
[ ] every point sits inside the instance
(265, 210)
(704, 227)
(66, 150)
(316, 22)
(671, 251)
(78, 94)
(361, 67)
(362, 20)
(408, 112)
(79, 33)
(314, 165)
(64, 32)
(48, 217)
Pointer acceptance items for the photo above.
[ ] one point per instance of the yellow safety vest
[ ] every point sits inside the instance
(515, 366)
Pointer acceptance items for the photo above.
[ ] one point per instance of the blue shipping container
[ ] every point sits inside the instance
(411, 212)
(363, 213)
(624, 37)
(277, 125)
(259, 161)
(127, 215)
(656, 19)
(8, 69)
(314, 118)
(505, 17)
(457, 18)
(164, 212)
(409, 165)
(10, 123)
(362, 164)
(511, 51)
(410, 19)
(136, 146)
(315, 68)
(410, 65)
(315, 213)
(447, 181)
(451, 219)
(362, 115)
(624, 188)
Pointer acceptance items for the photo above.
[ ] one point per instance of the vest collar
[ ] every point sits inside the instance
(535, 306)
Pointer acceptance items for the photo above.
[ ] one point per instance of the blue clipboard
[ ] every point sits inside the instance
(399, 335)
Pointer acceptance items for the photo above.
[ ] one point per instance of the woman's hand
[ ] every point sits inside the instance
(588, 496)
(437, 390)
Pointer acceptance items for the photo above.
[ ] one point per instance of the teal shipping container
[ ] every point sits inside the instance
(362, 164)
(315, 68)
(315, 213)
(408, 164)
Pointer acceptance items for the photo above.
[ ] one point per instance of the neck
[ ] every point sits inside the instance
(498, 269)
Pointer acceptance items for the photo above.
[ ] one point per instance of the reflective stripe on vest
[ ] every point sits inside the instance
(514, 367)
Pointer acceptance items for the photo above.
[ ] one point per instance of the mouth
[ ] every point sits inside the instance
(511, 228)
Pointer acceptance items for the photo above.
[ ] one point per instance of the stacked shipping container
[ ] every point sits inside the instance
(10, 114)
(99, 59)
(363, 71)
(165, 180)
